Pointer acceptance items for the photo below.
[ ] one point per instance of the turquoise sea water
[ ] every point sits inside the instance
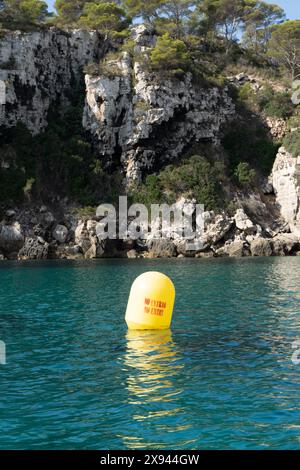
(223, 378)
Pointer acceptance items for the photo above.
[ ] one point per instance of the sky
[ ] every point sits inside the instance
(291, 7)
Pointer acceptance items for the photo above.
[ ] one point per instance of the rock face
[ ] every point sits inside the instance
(161, 249)
(38, 69)
(60, 233)
(34, 249)
(144, 122)
(285, 244)
(86, 238)
(261, 247)
(277, 127)
(286, 182)
(132, 118)
(11, 239)
(236, 249)
(216, 228)
(242, 221)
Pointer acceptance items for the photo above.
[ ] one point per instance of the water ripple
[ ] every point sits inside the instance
(221, 379)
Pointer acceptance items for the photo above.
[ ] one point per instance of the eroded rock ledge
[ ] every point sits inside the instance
(38, 233)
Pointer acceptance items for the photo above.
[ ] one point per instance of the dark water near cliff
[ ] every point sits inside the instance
(222, 379)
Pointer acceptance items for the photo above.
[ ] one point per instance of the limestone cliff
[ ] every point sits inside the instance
(38, 69)
(133, 120)
(286, 182)
(138, 124)
(146, 123)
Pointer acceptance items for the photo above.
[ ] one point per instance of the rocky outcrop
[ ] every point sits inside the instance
(40, 233)
(216, 228)
(132, 254)
(86, 238)
(236, 249)
(11, 239)
(243, 222)
(285, 244)
(60, 234)
(261, 247)
(277, 127)
(34, 248)
(161, 248)
(39, 68)
(144, 122)
(286, 182)
(242, 78)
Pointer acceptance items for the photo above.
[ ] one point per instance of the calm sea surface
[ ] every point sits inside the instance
(222, 378)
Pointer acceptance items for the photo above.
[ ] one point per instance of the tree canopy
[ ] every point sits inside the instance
(170, 56)
(107, 17)
(284, 46)
(24, 11)
(219, 24)
(146, 10)
(174, 16)
(258, 21)
(69, 11)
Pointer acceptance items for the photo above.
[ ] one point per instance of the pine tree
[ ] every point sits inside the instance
(106, 17)
(69, 11)
(258, 21)
(170, 56)
(147, 10)
(284, 46)
(24, 11)
(174, 16)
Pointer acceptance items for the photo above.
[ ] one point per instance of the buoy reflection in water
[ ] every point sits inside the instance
(153, 364)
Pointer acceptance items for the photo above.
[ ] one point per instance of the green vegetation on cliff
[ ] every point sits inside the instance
(248, 141)
(106, 17)
(292, 143)
(284, 46)
(170, 56)
(18, 13)
(205, 37)
(194, 177)
(267, 100)
(206, 27)
(58, 161)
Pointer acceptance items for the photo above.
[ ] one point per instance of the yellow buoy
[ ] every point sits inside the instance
(151, 302)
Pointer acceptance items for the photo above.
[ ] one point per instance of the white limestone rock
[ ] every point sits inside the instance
(261, 247)
(236, 249)
(277, 127)
(286, 182)
(285, 244)
(217, 229)
(146, 122)
(243, 222)
(38, 69)
(86, 238)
